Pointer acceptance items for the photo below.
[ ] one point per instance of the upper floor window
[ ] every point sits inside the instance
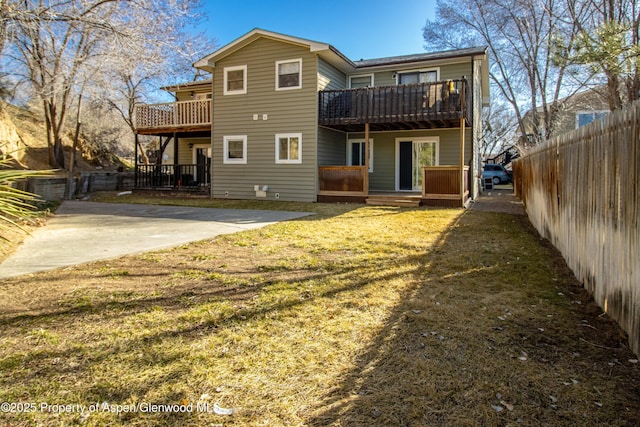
(235, 80)
(414, 77)
(584, 118)
(289, 148)
(289, 74)
(356, 82)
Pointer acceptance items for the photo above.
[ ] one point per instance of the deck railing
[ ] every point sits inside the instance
(342, 180)
(443, 182)
(438, 182)
(172, 176)
(173, 114)
(445, 100)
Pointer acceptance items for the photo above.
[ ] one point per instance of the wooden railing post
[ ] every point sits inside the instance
(366, 158)
(462, 129)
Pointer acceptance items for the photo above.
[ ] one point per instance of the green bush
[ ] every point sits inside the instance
(16, 206)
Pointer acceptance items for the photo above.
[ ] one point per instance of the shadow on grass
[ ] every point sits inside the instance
(481, 327)
(491, 333)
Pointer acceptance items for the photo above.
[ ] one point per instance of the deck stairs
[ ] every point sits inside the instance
(393, 200)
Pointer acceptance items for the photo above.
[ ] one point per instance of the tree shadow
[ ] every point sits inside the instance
(447, 354)
(479, 340)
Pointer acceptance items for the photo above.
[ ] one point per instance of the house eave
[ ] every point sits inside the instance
(324, 50)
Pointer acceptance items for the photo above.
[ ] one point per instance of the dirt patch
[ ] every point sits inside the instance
(500, 199)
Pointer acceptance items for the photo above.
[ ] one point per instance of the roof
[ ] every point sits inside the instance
(330, 53)
(187, 85)
(325, 50)
(419, 57)
(337, 59)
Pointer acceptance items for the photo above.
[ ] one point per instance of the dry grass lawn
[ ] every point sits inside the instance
(356, 316)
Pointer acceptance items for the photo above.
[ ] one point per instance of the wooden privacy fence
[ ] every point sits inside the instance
(581, 192)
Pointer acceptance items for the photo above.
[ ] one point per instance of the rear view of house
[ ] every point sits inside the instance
(294, 119)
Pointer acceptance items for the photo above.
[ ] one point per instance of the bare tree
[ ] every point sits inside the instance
(58, 46)
(520, 36)
(130, 81)
(498, 130)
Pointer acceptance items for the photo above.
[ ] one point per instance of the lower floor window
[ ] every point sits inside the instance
(289, 148)
(356, 153)
(235, 149)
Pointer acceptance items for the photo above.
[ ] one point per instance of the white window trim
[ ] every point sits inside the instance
(195, 148)
(277, 146)
(435, 139)
(244, 83)
(362, 75)
(421, 70)
(225, 155)
(287, 61)
(194, 155)
(350, 151)
(607, 112)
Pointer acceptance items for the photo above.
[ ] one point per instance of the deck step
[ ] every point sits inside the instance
(393, 201)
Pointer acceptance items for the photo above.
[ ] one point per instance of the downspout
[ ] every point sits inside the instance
(473, 180)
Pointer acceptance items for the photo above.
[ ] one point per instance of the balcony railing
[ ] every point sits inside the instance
(415, 106)
(174, 115)
(172, 176)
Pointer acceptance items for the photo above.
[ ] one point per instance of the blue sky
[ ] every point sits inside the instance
(359, 29)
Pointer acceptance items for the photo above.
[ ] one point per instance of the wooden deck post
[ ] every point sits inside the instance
(366, 158)
(462, 128)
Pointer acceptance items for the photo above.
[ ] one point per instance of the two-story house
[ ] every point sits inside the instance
(293, 119)
(572, 112)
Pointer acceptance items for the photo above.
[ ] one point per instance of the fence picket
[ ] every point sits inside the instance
(581, 192)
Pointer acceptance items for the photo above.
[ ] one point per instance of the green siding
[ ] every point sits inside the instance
(446, 72)
(456, 71)
(384, 78)
(384, 154)
(288, 111)
(331, 147)
(329, 78)
(185, 154)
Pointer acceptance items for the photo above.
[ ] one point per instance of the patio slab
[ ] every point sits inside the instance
(82, 232)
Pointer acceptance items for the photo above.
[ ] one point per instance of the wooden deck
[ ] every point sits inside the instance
(445, 186)
(401, 107)
(173, 117)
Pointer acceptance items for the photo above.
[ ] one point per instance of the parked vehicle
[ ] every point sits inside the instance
(497, 173)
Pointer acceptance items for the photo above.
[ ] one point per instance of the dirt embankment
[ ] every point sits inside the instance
(23, 137)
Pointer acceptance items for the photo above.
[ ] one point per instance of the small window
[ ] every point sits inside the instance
(201, 96)
(289, 74)
(356, 82)
(356, 153)
(235, 149)
(289, 148)
(415, 77)
(235, 80)
(584, 118)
